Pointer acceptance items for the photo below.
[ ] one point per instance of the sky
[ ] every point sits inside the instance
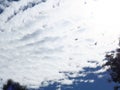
(43, 41)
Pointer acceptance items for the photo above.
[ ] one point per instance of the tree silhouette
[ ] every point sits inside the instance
(11, 85)
(113, 64)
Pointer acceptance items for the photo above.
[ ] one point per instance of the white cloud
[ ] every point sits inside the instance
(77, 27)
